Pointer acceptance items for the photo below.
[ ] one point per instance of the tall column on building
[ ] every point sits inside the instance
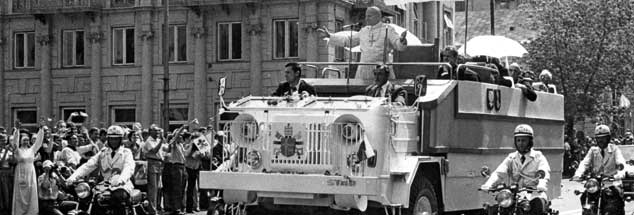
(3, 99)
(200, 74)
(147, 107)
(44, 38)
(96, 92)
(255, 30)
(312, 40)
(430, 16)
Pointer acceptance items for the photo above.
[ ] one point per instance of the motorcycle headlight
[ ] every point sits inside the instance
(82, 190)
(254, 159)
(592, 186)
(504, 198)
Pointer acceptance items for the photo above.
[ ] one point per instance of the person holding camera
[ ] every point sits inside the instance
(174, 171)
(193, 162)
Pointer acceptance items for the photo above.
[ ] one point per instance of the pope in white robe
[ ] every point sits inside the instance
(372, 41)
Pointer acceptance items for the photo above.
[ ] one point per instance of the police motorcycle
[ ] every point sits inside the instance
(512, 200)
(102, 197)
(109, 193)
(600, 196)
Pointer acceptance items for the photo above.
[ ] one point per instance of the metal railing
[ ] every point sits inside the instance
(22, 6)
(311, 147)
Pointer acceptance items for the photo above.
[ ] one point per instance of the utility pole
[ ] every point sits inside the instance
(492, 5)
(166, 67)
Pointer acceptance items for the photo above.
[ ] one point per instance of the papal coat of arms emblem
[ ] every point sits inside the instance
(290, 142)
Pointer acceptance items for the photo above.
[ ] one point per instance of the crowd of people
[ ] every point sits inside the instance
(177, 157)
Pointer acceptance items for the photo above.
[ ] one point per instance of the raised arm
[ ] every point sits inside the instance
(38, 141)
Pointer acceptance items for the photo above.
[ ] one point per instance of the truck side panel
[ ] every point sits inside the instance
(474, 133)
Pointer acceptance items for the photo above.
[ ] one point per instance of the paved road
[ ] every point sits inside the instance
(568, 202)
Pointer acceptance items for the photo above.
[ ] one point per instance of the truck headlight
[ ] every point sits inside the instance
(254, 159)
(245, 130)
(504, 198)
(351, 132)
(82, 190)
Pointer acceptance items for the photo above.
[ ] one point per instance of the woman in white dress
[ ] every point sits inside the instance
(25, 180)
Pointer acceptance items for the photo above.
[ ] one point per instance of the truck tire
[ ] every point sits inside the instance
(422, 198)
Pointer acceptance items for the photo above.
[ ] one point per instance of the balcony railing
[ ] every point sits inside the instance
(51, 6)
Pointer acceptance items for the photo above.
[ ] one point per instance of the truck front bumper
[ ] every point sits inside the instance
(290, 183)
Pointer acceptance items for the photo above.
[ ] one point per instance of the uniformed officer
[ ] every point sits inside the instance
(526, 167)
(604, 159)
(115, 163)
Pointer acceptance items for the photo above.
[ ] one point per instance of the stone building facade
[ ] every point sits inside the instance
(104, 57)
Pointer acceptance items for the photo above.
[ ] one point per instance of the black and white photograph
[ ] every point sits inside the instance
(316, 107)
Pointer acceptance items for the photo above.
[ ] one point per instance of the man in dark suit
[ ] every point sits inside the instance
(293, 83)
(383, 88)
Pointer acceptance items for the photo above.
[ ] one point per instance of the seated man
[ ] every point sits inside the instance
(383, 88)
(293, 83)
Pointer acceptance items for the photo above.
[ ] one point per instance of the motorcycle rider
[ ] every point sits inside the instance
(116, 165)
(604, 159)
(526, 167)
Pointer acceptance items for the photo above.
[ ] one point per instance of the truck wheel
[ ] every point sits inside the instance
(422, 198)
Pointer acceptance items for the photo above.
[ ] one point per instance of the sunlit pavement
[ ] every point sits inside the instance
(568, 203)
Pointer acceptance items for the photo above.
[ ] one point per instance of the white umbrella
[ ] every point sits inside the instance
(493, 46)
(412, 40)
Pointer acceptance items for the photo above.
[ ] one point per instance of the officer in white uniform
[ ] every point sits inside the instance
(525, 167)
(116, 165)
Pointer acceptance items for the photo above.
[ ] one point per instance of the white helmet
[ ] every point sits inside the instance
(523, 130)
(116, 131)
(601, 131)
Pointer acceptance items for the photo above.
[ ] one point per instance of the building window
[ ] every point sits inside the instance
(286, 38)
(178, 39)
(122, 46)
(178, 116)
(123, 115)
(24, 50)
(67, 111)
(339, 51)
(230, 41)
(73, 48)
(27, 117)
(122, 3)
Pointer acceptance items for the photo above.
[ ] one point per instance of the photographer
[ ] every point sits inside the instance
(174, 171)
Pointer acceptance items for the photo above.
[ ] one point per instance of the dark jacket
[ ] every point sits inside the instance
(284, 89)
(395, 92)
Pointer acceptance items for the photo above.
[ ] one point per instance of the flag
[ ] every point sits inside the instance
(202, 144)
(365, 150)
(624, 102)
